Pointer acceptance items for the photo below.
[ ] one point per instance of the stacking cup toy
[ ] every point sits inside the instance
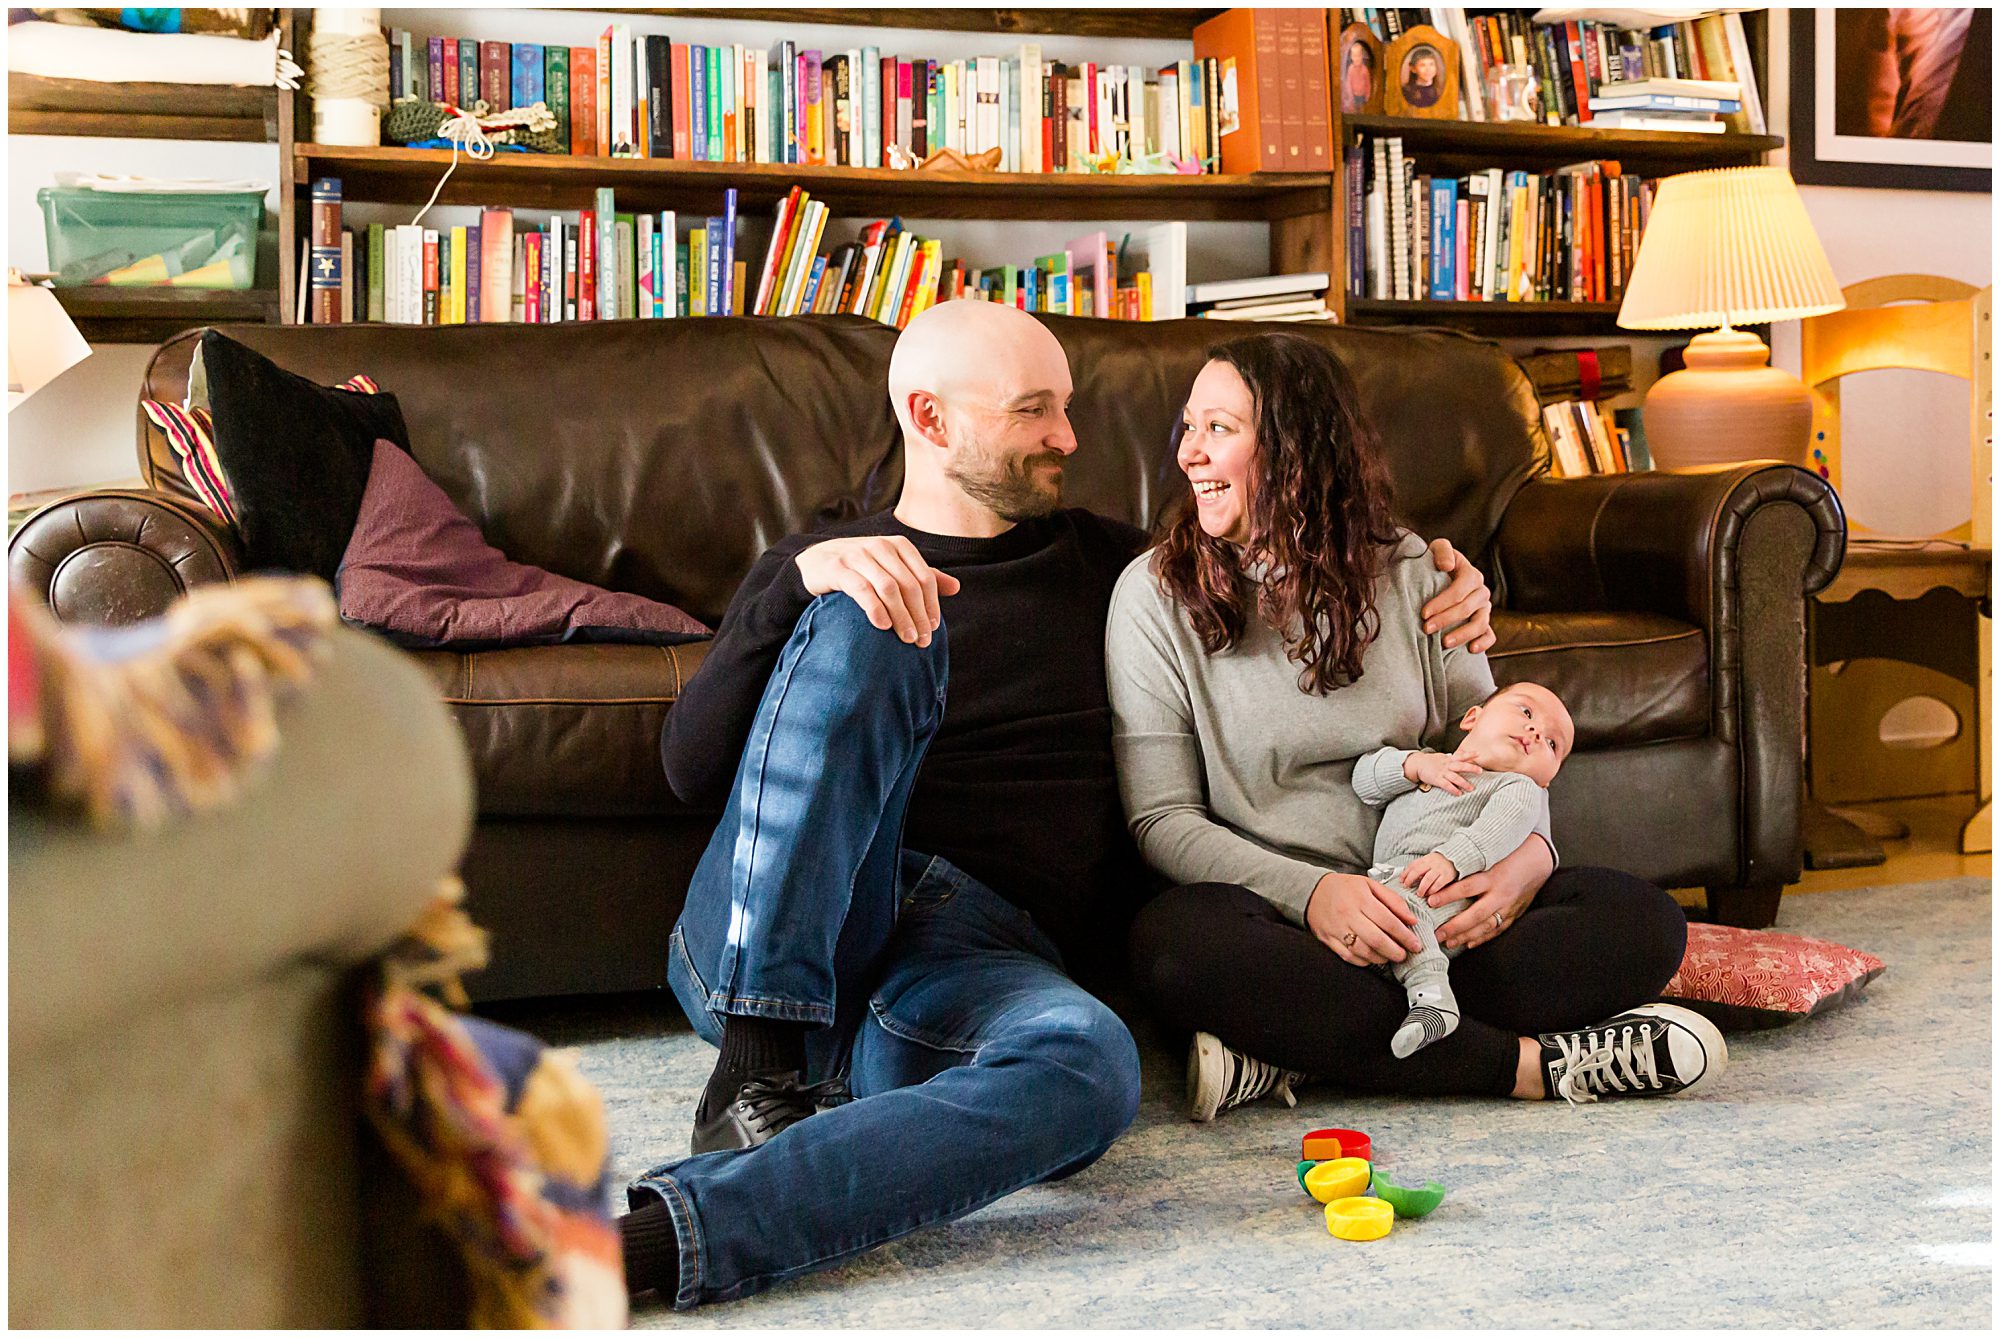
(1341, 1178)
(1327, 1144)
(1410, 1203)
(1359, 1218)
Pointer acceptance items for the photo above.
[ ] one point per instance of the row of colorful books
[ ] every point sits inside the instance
(1132, 278)
(1568, 235)
(1593, 72)
(887, 273)
(1589, 437)
(647, 96)
(595, 264)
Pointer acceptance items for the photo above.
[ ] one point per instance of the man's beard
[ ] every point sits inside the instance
(1008, 488)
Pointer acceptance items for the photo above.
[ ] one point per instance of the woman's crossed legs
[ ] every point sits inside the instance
(1218, 958)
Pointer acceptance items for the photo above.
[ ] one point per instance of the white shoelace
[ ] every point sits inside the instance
(1254, 1078)
(1594, 1063)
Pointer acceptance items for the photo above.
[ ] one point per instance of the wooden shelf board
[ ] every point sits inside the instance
(39, 106)
(549, 181)
(108, 315)
(1163, 24)
(1494, 318)
(1522, 141)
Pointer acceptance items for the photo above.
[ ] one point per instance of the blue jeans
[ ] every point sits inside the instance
(977, 1065)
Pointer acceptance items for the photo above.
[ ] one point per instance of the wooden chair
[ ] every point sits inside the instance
(1925, 323)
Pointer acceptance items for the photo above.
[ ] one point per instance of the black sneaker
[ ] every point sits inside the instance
(1219, 1078)
(1653, 1050)
(766, 1105)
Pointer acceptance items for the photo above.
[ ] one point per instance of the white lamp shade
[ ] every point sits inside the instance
(42, 341)
(1729, 246)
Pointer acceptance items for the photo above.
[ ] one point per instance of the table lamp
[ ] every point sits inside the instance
(42, 342)
(1724, 246)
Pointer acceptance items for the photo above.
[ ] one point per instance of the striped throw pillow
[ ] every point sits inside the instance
(191, 432)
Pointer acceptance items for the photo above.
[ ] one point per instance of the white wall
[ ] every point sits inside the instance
(1906, 460)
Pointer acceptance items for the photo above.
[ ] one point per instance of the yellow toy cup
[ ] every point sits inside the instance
(1343, 1177)
(1359, 1218)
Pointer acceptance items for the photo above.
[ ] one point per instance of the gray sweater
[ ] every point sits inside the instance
(1475, 830)
(1231, 773)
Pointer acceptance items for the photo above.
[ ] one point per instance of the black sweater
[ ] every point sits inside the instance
(1018, 787)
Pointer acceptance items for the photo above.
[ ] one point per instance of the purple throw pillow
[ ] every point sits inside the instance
(419, 571)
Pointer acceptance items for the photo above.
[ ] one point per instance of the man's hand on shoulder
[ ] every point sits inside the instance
(1465, 607)
(886, 576)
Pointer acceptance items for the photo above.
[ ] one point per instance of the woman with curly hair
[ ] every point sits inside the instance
(1270, 640)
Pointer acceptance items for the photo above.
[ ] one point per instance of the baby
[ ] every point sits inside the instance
(1451, 815)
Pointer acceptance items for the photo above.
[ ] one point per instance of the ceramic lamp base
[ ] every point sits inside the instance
(1729, 404)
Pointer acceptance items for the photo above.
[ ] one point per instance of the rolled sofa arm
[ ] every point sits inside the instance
(120, 555)
(1667, 542)
(334, 848)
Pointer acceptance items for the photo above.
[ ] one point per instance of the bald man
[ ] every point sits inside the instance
(896, 891)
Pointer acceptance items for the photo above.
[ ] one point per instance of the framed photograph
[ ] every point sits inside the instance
(1420, 73)
(1898, 98)
(1360, 70)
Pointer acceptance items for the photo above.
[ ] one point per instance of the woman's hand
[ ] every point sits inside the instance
(1465, 606)
(1499, 896)
(1361, 920)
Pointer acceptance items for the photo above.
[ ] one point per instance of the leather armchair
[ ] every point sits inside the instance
(661, 457)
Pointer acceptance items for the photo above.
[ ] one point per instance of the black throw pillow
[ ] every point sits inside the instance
(296, 454)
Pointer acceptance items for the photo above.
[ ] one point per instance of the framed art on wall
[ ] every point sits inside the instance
(1899, 98)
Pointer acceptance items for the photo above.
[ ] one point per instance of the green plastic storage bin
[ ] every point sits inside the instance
(193, 239)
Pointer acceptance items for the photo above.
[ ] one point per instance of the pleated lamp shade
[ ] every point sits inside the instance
(1730, 246)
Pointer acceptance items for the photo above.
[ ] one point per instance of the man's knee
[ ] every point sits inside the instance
(1088, 1068)
(840, 627)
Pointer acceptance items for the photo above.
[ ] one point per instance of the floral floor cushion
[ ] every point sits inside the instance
(1751, 979)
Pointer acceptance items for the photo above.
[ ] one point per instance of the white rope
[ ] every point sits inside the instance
(461, 127)
(350, 65)
(469, 128)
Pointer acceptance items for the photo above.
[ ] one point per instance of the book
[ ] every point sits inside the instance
(1632, 120)
(728, 249)
(659, 97)
(606, 255)
(555, 76)
(1250, 126)
(325, 277)
(1715, 89)
(469, 84)
(583, 101)
(496, 74)
(347, 272)
(449, 70)
(1660, 102)
(527, 87)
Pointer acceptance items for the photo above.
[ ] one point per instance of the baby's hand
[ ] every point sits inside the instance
(1430, 873)
(1442, 770)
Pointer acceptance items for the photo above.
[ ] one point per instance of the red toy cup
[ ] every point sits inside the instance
(1326, 1144)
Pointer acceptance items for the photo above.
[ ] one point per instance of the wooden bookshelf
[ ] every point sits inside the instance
(562, 181)
(1495, 319)
(1525, 145)
(38, 106)
(107, 315)
(1174, 25)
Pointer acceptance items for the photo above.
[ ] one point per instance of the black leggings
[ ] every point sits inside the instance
(1218, 958)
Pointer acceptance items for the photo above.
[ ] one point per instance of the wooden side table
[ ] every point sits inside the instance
(1891, 587)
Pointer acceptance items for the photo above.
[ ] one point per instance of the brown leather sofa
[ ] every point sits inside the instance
(661, 457)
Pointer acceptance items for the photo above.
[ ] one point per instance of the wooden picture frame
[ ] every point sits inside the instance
(1406, 90)
(1359, 83)
(1830, 60)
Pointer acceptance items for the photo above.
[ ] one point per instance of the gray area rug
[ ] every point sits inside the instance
(1840, 1176)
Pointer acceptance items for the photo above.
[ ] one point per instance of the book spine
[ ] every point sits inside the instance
(607, 143)
(473, 274)
(682, 79)
(659, 98)
(728, 237)
(586, 265)
(527, 74)
(583, 101)
(468, 69)
(607, 256)
(435, 50)
(555, 76)
(1318, 97)
(531, 293)
(713, 90)
(325, 263)
(448, 69)
(430, 276)
(815, 111)
(698, 103)
(662, 248)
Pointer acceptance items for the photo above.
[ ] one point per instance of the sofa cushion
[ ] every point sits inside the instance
(296, 454)
(418, 571)
(1627, 678)
(566, 731)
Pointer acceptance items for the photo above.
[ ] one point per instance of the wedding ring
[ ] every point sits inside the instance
(1499, 920)
(1348, 942)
